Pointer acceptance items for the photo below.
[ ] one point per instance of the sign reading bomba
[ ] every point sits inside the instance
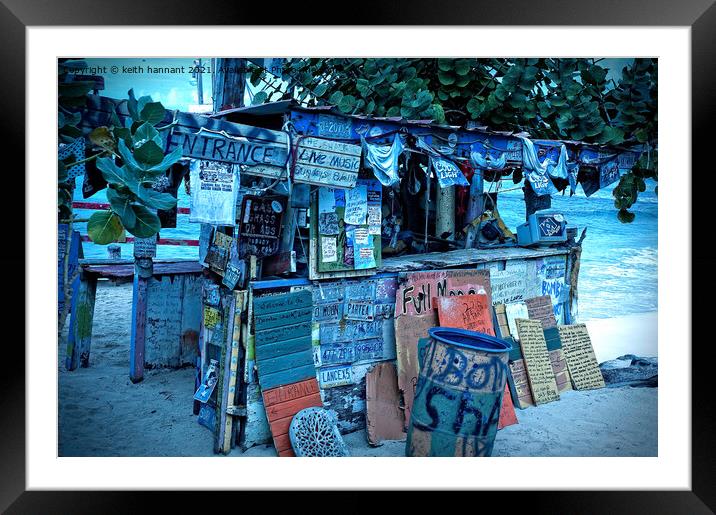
(327, 163)
(227, 142)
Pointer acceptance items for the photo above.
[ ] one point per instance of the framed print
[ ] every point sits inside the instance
(324, 207)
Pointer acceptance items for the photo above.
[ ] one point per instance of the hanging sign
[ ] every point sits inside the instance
(260, 225)
(210, 139)
(447, 172)
(327, 163)
(214, 189)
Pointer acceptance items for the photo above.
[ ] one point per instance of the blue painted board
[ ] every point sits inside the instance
(285, 362)
(285, 377)
(275, 349)
(284, 302)
(294, 316)
(282, 333)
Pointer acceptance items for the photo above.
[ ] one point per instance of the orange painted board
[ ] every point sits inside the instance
(384, 418)
(282, 403)
(471, 312)
(508, 416)
(288, 453)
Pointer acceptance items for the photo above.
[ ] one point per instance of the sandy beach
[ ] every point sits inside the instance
(101, 413)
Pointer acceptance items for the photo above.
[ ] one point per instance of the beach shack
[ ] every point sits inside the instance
(328, 245)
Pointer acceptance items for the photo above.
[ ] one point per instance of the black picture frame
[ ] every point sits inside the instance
(700, 15)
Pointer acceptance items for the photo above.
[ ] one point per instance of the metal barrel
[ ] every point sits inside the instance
(458, 394)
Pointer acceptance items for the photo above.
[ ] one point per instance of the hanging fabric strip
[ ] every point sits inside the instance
(383, 159)
(536, 172)
(487, 162)
(447, 172)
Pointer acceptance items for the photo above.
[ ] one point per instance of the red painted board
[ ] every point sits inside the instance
(471, 312)
(282, 403)
(508, 416)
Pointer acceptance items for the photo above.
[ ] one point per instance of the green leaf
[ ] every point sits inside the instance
(462, 66)
(260, 97)
(625, 216)
(122, 205)
(149, 154)
(146, 132)
(110, 171)
(445, 78)
(155, 199)
(169, 159)
(321, 89)
(153, 113)
(335, 98)
(147, 223)
(347, 103)
(445, 64)
(104, 227)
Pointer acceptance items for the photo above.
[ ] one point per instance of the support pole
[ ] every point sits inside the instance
(475, 206)
(139, 324)
(79, 338)
(445, 219)
(229, 83)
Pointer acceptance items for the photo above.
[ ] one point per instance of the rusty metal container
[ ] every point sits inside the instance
(458, 394)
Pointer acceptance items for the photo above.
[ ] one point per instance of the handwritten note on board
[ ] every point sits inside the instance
(471, 312)
(537, 362)
(356, 205)
(581, 361)
(540, 308)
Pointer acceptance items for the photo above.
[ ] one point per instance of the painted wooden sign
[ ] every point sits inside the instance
(508, 417)
(509, 285)
(218, 253)
(540, 308)
(327, 163)
(581, 361)
(145, 247)
(557, 359)
(384, 418)
(75, 250)
(283, 361)
(415, 313)
(282, 403)
(211, 139)
(519, 384)
(536, 357)
(472, 312)
(260, 225)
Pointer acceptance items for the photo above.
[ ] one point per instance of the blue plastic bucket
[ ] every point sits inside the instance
(458, 394)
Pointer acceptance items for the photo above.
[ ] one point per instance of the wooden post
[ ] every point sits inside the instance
(533, 202)
(79, 338)
(229, 83)
(475, 206)
(230, 366)
(445, 219)
(139, 323)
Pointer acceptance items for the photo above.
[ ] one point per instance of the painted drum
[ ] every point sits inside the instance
(458, 393)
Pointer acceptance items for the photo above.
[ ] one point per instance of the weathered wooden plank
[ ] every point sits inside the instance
(539, 369)
(581, 361)
(283, 443)
(255, 429)
(139, 324)
(162, 333)
(231, 363)
(284, 362)
(384, 419)
(285, 377)
(290, 408)
(294, 316)
(267, 304)
(462, 258)
(190, 319)
(267, 351)
(79, 339)
(282, 333)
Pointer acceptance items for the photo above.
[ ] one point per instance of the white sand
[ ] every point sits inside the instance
(101, 413)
